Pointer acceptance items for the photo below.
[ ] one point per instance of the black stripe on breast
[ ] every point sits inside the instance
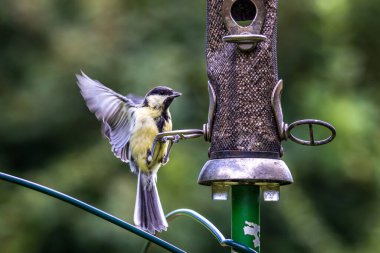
(160, 121)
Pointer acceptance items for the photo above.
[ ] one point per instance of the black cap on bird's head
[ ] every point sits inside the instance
(163, 91)
(160, 97)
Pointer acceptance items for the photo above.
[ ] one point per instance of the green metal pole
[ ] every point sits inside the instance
(246, 215)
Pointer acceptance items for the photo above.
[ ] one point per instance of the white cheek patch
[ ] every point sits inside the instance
(156, 100)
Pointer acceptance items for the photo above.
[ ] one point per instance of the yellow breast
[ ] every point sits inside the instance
(143, 134)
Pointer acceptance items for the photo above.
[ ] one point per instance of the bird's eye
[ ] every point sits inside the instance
(162, 92)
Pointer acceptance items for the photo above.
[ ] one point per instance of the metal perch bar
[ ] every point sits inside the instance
(209, 226)
(174, 137)
(310, 123)
(183, 134)
(93, 210)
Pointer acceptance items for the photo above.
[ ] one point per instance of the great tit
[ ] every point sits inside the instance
(130, 124)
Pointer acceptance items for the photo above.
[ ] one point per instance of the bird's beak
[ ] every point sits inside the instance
(176, 94)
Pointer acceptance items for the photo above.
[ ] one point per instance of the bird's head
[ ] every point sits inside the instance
(160, 97)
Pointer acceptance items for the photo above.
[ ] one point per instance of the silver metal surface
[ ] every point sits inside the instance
(220, 191)
(207, 128)
(271, 192)
(246, 40)
(245, 36)
(258, 171)
(277, 109)
(310, 123)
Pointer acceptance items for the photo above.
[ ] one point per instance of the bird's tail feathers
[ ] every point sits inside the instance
(148, 214)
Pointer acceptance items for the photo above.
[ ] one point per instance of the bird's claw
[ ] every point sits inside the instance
(165, 160)
(149, 157)
(176, 138)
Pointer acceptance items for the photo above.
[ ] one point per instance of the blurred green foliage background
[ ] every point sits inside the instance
(328, 58)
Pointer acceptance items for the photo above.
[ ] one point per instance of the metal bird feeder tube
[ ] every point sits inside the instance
(245, 142)
(245, 124)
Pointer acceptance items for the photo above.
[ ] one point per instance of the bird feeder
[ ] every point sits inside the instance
(245, 118)
(245, 125)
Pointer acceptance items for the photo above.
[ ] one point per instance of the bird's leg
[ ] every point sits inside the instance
(165, 159)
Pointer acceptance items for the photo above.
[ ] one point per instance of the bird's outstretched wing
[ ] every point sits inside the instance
(135, 99)
(114, 110)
